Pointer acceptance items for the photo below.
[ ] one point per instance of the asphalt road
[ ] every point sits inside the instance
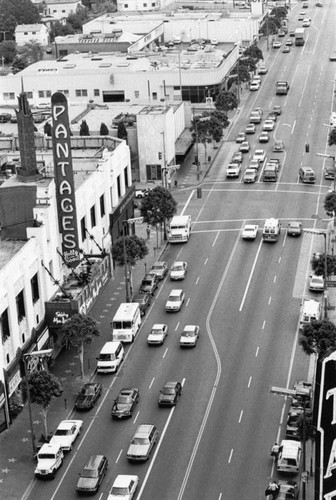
(244, 295)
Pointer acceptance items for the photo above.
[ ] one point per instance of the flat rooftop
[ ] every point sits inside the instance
(8, 248)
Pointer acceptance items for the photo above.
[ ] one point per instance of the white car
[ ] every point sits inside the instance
(244, 147)
(276, 44)
(250, 176)
(175, 301)
(124, 487)
(255, 164)
(241, 137)
(189, 336)
(250, 232)
(49, 460)
(254, 85)
(260, 155)
(157, 334)
(268, 125)
(332, 119)
(66, 434)
(250, 128)
(316, 283)
(178, 271)
(306, 23)
(233, 170)
(264, 136)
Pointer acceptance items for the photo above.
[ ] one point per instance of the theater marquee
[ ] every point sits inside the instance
(65, 191)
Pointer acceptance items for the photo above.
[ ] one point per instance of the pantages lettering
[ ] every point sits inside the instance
(326, 425)
(66, 205)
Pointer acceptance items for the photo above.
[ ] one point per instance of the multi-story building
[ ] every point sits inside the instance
(25, 33)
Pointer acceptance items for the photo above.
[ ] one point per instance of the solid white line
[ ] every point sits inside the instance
(230, 457)
(187, 202)
(197, 280)
(250, 277)
(240, 416)
(250, 380)
(152, 382)
(119, 455)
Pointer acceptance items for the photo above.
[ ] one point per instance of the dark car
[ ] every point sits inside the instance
(170, 394)
(159, 269)
(125, 403)
(92, 475)
(144, 301)
(88, 396)
(148, 284)
(294, 228)
(5, 117)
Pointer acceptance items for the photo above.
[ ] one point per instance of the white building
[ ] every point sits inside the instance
(25, 33)
(141, 5)
(37, 291)
(61, 9)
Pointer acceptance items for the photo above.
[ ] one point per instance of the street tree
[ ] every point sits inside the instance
(77, 19)
(226, 101)
(254, 52)
(103, 129)
(31, 52)
(44, 388)
(270, 26)
(18, 64)
(158, 206)
(330, 203)
(135, 249)
(77, 331)
(59, 29)
(243, 69)
(84, 129)
(332, 137)
(317, 263)
(319, 338)
(14, 12)
(8, 51)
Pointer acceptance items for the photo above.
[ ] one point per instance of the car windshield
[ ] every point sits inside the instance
(249, 230)
(147, 282)
(88, 391)
(157, 267)
(188, 333)
(124, 400)
(62, 432)
(177, 268)
(156, 331)
(140, 440)
(46, 456)
(174, 298)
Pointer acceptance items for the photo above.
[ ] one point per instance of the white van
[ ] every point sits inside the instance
(179, 229)
(289, 456)
(110, 357)
(310, 311)
(126, 322)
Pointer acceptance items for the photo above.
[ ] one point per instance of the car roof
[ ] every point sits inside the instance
(93, 462)
(123, 480)
(50, 448)
(67, 424)
(189, 328)
(171, 384)
(159, 263)
(176, 292)
(144, 429)
(158, 326)
(127, 390)
(178, 262)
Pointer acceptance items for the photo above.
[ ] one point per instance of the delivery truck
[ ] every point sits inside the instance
(299, 36)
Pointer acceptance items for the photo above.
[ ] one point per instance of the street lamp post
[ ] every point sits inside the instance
(40, 355)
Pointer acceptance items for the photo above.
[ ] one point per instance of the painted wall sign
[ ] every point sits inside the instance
(326, 425)
(65, 191)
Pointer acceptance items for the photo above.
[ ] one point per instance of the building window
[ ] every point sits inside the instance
(4, 323)
(118, 185)
(35, 288)
(102, 205)
(81, 93)
(44, 93)
(83, 228)
(136, 94)
(20, 307)
(126, 177)
(25, 32)
(153, 172)
(96, 92)
(29, 95)
(126, 6)
(153, 5)
(9, 96)
(93, 216)
(65, 92)
(145, 5)
(34, 32)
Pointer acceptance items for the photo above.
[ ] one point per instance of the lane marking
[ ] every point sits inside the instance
(177, 326)
(240, 416)
(152, 382)
(269, 300)
(214, 242)
(257, 351)
(250, 277)
(197, 280)
(230, 457)
(136, 417)
(274, 279)
(164, 354)
(263, 325)
(250, 380)
(119, 455)
(206, 261)
(187, 302)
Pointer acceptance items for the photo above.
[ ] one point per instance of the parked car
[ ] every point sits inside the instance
(178, 271)
(149, 284)
(142, 443)
(144, 301)
(272, 116)
(254, 85)
(88, 396)
(329, 172)
(124, 487)
(157, 334)
(170, 394)
(5, 117)
(66, 434)
(92, 475)
(49, 460)
(316, 283)
(278, 146)
(125, 403)
(189, 336)
(250, 231)
(276, 44)
(294, 228)
(175, 301)
(159, 269)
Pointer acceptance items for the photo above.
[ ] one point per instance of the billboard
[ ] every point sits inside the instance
(65, 191)
(326, 425)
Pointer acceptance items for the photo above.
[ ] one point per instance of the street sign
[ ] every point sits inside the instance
(135, 220)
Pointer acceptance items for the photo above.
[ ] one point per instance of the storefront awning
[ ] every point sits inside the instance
(183, 143)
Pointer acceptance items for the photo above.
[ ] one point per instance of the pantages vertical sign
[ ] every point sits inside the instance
(65, 192)
(326, 425)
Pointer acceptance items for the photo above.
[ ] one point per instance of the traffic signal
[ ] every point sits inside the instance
(307, 148)
(160, 156)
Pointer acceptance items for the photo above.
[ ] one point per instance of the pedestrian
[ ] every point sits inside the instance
(169, 183)
(175, 183)
(148, 231)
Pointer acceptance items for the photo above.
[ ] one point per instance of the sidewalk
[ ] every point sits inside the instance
(16, 458)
